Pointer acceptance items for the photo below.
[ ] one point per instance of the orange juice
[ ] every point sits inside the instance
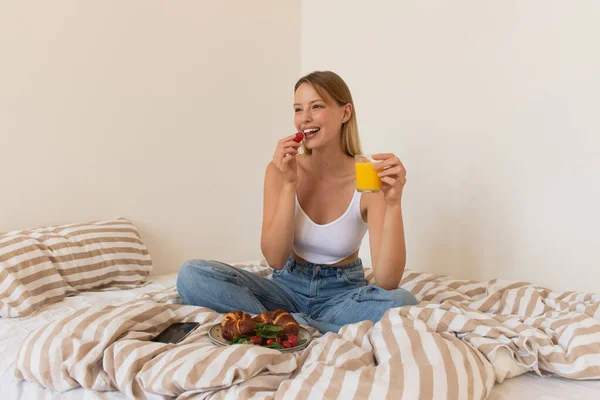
(366, 177)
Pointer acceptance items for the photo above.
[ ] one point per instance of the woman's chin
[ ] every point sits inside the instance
(312, 143)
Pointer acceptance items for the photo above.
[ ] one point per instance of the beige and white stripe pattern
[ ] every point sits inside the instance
(43, 265)
(461, 338)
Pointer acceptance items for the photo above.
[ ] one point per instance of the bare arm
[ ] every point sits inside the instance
(387, 243)
(386, 226)
(278, 218)
(281, 177)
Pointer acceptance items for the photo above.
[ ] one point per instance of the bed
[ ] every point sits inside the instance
(14, 330)
(78, 310)
(293, 381)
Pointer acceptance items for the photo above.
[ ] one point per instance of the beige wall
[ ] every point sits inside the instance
(162, 112)
(494, 108)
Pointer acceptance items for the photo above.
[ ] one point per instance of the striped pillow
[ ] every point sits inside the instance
(43, 265)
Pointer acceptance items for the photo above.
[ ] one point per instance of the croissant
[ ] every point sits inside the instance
(237, 323)
(280, 318)
(264, 318)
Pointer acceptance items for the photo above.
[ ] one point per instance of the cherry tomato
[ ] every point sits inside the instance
(256, 340)
(269, 341)
(286, 344)
(293, 339)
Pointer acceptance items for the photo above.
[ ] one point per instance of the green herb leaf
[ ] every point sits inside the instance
(269, 331)
(275, 345)
(240, 339)
(273, 328)
(267, 335)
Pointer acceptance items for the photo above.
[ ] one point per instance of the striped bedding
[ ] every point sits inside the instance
(43, 265)
(456, 343)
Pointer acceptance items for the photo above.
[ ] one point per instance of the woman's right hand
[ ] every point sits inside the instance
(284, 158)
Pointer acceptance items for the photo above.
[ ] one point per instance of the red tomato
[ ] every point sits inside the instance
(286, 344)
(269, 341)
(293, 339)
(256, 340)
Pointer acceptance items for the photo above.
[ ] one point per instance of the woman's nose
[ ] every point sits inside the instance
(307, 116)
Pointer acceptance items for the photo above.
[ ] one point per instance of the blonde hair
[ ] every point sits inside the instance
(337, 89)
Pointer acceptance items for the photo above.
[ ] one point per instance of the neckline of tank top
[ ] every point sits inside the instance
(341, 217)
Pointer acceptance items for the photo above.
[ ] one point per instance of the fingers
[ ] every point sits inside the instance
(289, 147)
(285, 146)
(287, 158)
(281, 159)
(282, 163)
(397, 170)
(290, 152)
(382, 156)
(285, 162)
(281, 154)
(388, 180)
(285, 152)
(288, 140)
(391, 172)
(388, 160)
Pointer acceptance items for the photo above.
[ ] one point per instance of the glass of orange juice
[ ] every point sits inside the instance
(366, 177)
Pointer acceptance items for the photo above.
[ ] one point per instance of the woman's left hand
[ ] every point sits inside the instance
(393, 176)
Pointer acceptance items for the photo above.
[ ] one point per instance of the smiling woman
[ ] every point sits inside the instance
(314, 221)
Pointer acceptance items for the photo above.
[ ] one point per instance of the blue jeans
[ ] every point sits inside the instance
(325, 298)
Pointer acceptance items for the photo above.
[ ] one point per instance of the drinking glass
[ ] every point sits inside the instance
(366, 177)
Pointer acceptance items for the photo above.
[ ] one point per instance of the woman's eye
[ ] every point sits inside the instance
(317, 106)
(298, 110)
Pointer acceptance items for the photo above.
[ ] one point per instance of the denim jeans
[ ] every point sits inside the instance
(323, 297)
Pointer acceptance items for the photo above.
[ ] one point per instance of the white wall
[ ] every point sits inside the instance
(494, 109)
(166, 113)
(162, 112)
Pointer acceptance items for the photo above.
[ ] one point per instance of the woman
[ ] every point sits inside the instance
(313, 223)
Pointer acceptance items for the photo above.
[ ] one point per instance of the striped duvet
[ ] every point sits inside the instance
(456, 343)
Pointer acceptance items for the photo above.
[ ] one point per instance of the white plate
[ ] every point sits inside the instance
(215, 336)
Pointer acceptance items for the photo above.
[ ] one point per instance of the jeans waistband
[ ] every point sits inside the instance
(323, 270)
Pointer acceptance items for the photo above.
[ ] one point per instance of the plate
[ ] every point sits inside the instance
(215, 336)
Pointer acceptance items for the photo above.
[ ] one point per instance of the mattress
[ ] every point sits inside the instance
(13, 331)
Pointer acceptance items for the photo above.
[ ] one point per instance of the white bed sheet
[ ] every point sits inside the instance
(531, 386)
(13, 331)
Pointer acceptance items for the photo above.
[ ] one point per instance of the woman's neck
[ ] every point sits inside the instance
(330, 161)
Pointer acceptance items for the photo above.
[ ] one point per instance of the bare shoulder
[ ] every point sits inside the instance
(271, 167)
(272, 175)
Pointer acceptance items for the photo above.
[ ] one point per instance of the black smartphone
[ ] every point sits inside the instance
(176, 333)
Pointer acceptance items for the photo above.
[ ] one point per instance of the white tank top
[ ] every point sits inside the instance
(329, 243)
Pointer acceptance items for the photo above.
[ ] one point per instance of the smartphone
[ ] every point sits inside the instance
(176, 333)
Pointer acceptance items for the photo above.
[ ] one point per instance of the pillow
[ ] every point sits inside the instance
(43, 265)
